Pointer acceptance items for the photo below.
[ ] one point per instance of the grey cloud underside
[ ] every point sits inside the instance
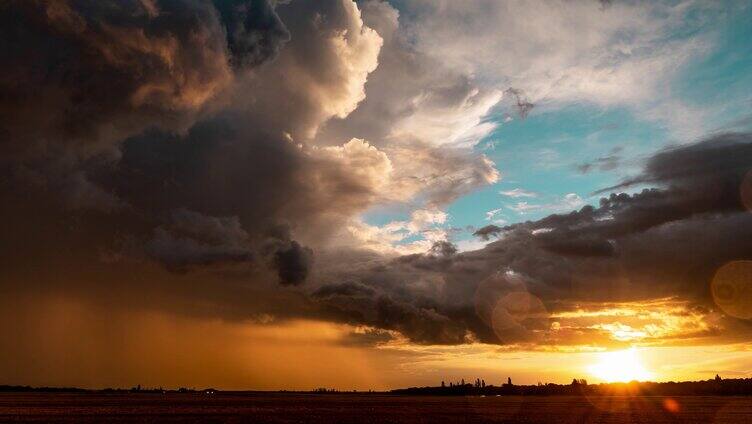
(487, 232)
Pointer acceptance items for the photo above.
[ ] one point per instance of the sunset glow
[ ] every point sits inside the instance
(620, 366)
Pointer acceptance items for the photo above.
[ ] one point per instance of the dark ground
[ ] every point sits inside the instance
(367, 408)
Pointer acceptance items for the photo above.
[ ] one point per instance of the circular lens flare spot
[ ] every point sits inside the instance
(671, 405)
(517, 316)
(732, 289)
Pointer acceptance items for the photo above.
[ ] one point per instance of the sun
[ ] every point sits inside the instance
(620, 366)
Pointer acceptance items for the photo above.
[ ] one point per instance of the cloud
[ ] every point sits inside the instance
(567, 202)
(662, 242)
(486, 232)
(193, 239)
(439, 176)
(703, 164)
(518, 192)
(326, 64)
(560, 53)
(362, 164)
(495, 216)
(603, 163)
(254, 31)
(192, 175)
(424, 115)
(388, 239)
(293, 263)
(520, 102)
(413, 96)
(88, 75)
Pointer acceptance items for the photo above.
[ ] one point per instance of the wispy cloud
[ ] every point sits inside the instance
(496, 216)
(568, 202)
(518, 192)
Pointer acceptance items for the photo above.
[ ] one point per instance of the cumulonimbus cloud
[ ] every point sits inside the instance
(213, 159)
(124, 109)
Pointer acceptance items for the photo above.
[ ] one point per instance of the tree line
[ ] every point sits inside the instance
(713, 387)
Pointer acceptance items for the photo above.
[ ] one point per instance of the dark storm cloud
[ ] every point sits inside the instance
(577, 246)
(192, 239)
(485, 233)
(85, 74)
(180, 254)
(714, 163)
(659, 243)
(367, 338)
(120, 128)
(78, 77)
(414, 316)
(254, 31)
(291, 260)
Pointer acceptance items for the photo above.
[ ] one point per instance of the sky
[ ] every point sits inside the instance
(263, 194)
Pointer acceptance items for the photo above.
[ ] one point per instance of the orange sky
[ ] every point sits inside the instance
(70, 343)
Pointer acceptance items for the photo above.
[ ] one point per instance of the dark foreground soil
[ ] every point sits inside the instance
(367, 408)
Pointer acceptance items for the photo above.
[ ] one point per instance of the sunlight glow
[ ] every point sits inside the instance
(620, 366)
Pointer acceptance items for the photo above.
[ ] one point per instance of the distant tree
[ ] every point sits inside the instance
(509, 381)
(463, 381)
(442, 383)
(483, 383)
(717, 377)
(575, 382)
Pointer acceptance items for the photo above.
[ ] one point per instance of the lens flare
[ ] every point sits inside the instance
(732, 289)
(517, 315)
(671, 405)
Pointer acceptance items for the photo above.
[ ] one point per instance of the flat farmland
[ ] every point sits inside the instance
(368, 408)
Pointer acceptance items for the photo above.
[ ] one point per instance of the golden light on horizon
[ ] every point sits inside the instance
(620, 366)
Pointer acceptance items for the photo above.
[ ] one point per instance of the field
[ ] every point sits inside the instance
(367, 408)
